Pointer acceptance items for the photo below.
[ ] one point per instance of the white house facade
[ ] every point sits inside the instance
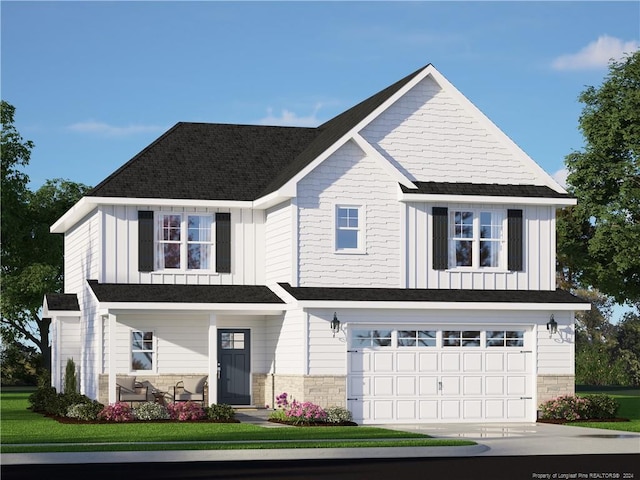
(398, 260)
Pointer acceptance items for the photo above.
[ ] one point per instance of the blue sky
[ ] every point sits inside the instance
(94, 83)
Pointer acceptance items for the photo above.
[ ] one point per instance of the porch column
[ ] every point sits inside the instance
(111, 351)
(213, 359)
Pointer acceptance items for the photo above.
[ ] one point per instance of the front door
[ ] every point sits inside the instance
(234, 366)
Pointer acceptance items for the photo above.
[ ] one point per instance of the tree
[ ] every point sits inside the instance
(603, 241)
(628, 336)
(31, 256)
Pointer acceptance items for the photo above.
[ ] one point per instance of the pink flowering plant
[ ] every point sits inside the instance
(297, 413)
(116, 412)
(184, 411)
(565, 407)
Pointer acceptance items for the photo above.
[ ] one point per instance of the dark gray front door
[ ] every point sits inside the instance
(234, 363)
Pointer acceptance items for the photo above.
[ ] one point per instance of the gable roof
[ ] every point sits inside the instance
(62, 302)
(230, 162)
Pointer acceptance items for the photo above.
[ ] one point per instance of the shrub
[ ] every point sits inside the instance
(116, 412)
(221, 412)
(305, 413)
(85, 411)
(338, 415)
(186, 411)
(566, 407)
(70, 377)
(43, 398)
(150, 411)
(601, 406)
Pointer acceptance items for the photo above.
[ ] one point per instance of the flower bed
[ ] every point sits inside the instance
(569, 408)
(309, 414)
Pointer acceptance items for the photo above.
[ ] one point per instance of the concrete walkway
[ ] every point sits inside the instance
(493, 439)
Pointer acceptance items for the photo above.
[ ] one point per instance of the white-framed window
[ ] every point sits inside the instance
(184, 241)
(505, 338)
(417, 338)
(142, 351)
(371, 338)
(349, 229)
(477, 238)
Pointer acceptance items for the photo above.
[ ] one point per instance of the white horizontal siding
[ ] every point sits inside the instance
(279, 243)
(556, 354)
(286, 336)
(538, 250)
(430, 136)
(327, 354)
(348, 177)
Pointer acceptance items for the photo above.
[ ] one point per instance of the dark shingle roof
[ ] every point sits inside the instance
(429, 295)
(484, 189)
(62, 301)
(203, 161)
(113, 292)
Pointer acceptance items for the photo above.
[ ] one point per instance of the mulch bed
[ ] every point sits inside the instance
(315, 424)
(591, 420)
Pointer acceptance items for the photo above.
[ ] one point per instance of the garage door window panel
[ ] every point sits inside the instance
(505, 338)
(458, 338)
(416, 338)
(371, 338)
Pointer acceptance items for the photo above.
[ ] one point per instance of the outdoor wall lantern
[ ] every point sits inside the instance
(335, 324)
(552, 325)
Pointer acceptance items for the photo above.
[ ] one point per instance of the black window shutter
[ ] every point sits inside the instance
(440, 238)
(145, 241)
(515, 240)
(223, 242)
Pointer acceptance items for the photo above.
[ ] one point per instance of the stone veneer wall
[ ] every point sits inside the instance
(552, 386)
(157, 382)
(323, 390)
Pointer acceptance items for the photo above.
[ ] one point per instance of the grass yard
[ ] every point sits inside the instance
(25, 431)
(629, 408)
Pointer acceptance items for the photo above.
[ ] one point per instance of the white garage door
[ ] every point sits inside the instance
(453, 375)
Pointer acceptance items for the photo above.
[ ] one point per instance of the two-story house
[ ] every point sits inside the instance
(397, 260)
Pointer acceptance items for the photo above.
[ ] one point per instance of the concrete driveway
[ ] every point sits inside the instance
(533, 438)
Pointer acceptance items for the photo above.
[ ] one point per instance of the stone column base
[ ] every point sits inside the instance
(323, 390)
(552, 386)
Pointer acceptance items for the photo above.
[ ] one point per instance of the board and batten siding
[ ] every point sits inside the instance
(120, 246)
(428, 135)
(348, 177)
(82, 253)
(538, 252)
(279, 243)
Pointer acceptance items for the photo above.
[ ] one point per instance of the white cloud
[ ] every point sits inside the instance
(291, 119)
(561, 177)
(597, 54)
(104, 129)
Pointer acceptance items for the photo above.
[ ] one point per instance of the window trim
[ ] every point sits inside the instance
(184, 242)
(154, 351)
(361, 229)
(476, 240)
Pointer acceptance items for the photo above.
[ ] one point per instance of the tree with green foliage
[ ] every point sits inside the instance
(32, 258)
(599, 239)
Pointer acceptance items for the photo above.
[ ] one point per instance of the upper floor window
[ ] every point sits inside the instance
(476, 238)
(349, 229)
(184, 242)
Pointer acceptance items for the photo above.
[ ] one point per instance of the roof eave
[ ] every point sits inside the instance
(500, 200)
(380, 305)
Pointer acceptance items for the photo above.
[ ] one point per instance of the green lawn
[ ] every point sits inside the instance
(25, 431)
(629, 408)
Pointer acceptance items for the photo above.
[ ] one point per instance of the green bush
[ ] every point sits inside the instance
(150, 411)
(221, 412)
(338, 415)
(70, 377)
(43, 399)
(85, 411)
(601, 406)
